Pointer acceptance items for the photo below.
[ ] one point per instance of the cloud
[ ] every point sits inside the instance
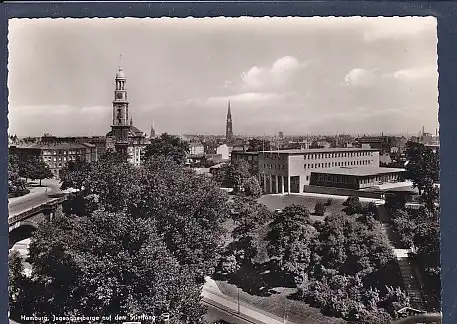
(276, 75)
(241, 98)
(427, 72)
(362, 77)
(398, 28)
(370, 78)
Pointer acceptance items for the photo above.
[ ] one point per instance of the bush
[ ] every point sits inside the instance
(329, 202)
(319, 209)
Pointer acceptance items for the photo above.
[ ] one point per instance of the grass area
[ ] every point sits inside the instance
(281, 201)
(278, 304)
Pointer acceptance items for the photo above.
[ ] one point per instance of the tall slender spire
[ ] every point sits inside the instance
(229, 126)
(131, 121)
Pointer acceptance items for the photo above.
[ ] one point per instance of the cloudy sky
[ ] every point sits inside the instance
(296, 75)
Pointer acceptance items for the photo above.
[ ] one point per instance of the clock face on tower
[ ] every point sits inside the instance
(119, 95)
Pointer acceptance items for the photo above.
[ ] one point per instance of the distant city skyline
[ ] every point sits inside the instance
(300, 76)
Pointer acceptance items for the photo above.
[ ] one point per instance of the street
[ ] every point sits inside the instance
(36, 197)
(222, 307)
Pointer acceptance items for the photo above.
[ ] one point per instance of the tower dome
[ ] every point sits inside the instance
(120, 74)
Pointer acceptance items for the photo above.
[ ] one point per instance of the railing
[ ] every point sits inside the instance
(35, 210)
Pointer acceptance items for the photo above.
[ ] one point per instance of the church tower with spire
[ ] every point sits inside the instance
(120, 126)
(153, 131)
(124, 137)
(228, 126)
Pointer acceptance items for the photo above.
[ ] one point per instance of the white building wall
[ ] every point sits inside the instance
(224, 151)
(302, 164)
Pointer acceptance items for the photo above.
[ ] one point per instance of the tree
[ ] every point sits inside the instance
(16, 185)
(237, 173)
(430, 196)
(423, 165)
(167, 146)
(248, 216)
(251, 188)
(290, 237)
(189, 208)
(353, 206)
(256, 145)
(110, 263)
(319, 209)
(352, 246)
(74, 174)
(41, 171)
(238, 176)
(394, 202)
(16, 280)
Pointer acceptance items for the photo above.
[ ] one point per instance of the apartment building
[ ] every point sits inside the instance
(56, 155)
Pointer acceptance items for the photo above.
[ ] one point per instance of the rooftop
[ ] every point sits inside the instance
(55, 146)
(321, 150)
(244, 153)
(359, 171)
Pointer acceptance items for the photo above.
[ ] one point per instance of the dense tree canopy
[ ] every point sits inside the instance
(39, 170)
(109, 263)
(133, 240)
(16, 185)
(73, 174)
(167, 146)
(423, 165)
(353, 206)
(334, 262)
(419, 228)
(290, 239)
(249, 217)
(238, 177)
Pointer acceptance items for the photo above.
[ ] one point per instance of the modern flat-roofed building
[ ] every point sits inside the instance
(252, 158)
(288, 171)
(355, 178)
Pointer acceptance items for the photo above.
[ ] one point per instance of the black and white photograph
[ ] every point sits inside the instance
(223, 170)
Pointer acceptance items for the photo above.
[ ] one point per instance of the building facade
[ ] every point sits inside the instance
(124, 137)
(252, 158)
(57, 154)
(196, 149)
(288, 171)
(355, 178)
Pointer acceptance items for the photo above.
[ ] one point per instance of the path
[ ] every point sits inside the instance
(412, 285)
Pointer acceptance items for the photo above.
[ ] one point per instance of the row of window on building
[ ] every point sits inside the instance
(60, 158)
(337, 164)
(63, 152)
(351, 180)
(337, 155)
